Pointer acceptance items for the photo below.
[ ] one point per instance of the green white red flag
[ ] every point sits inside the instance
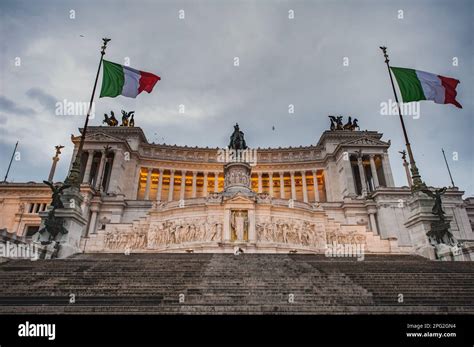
(123, 80)
(416, 85)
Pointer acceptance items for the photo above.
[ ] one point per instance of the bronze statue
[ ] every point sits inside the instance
(439, 232)
(112, 121)
(437, 208)
(348, 125)
(355, 124)
(336, 123)
(57, 192)
(58, 150)
(125, 117)
(237, 140)
(54, 225)
(132, 122)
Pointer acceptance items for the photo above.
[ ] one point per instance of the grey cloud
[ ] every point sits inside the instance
(282, 62)
(10, 107)
(46, 100)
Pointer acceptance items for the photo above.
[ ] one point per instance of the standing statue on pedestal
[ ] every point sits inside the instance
(439, 232)
(52, 224)
(237, 140)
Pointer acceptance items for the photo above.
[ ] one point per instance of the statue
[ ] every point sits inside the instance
(336, 123)
(53, 225)
(348, 125)
(132, 122)
(112, 121)
(237, 140)
(355, 125)
(125, 117)
(239, 225)
(439, 232)
(57, 192)
(437, 208)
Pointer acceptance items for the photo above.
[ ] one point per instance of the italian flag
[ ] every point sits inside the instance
(123, 80)
(418, 85)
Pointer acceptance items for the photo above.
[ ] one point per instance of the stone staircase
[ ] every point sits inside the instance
(228, 284)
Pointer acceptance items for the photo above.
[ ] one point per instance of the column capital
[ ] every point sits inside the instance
(270, 174)
(150, 169)
(372, 155)
(292, 173)
(259, 174)
(195, 173)
(172, 171)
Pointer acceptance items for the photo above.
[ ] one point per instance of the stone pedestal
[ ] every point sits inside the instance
(73, 221)
(237, 179)
(419, 223)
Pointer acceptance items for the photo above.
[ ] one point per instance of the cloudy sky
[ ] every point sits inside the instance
(49, 52)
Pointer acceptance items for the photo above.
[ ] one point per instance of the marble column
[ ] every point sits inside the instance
(315, 186)
(259, 182)
(87, 171)
(282, 185)
(350, 183)
(204, 186)
(226, 225)
(160, 185)
(216, 182)
(270, 182)
(194, 184)
(115, 181)
(183, 185)
(305, 189)
(363, 181)
(373, 223)
(293, 186)
(387, 170)
(148, 183)
(93, 221)
(100, 171)
(407, 172)
(171, 186)
(374, 171)
(251, 227)
(327, 188)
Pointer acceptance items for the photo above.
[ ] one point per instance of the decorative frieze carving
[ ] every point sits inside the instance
(290, 231)
(165, 233)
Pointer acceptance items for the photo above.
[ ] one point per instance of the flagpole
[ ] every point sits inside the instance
(416, 177)
(449, 171)
(9, 165)
(73, 178)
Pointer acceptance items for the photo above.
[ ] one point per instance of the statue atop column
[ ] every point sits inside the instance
(237, 140)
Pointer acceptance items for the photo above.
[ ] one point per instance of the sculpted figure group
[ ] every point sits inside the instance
(165, 233)
(292, 231)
